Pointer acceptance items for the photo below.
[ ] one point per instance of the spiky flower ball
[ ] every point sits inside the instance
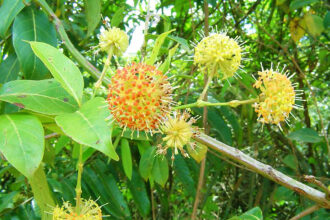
(89, 210)
(178, 131)
(139, 97)
(218, 51)
(114, 40)
(277, 97)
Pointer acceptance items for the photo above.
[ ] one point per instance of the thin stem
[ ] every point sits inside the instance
(105, 68)
(233, 103)
(152, 203)
(306, 212)
(78, 187)
(207, 85)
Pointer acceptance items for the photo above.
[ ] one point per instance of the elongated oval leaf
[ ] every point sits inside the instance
(44, 96)
(32, 25)
(22, 142)
(305, 135)
(9, 69)
(146, 162)
(139, 193)
(8, 10)
(88, 126)
(300, 3)
(62, 68)
(126, 157)
(93, 14)
(118, 17)
(160, 170)
(159, 42)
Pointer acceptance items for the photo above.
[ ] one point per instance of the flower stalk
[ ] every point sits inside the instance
(78, 187)
(105, 68)
(233, 103)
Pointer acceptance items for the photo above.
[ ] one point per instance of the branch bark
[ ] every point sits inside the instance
(265, 170)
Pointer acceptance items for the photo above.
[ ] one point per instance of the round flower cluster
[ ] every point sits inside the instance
(114, 41)
(139, 97)
(178, 131)
(89, 210)
(218, 51)
(277, 97)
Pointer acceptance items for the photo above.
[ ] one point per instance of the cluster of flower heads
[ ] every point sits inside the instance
(89, 210)
(218, 51)
(277, 97)
(140, 97)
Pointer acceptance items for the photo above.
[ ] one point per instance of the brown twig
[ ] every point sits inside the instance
(306, 212)
(313, 180)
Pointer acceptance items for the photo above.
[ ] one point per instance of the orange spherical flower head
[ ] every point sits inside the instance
(178, 131)
(89, 210)
(277, 97)
(218, 51)
(139, 97)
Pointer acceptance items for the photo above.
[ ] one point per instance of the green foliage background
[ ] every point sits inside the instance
(293, 33)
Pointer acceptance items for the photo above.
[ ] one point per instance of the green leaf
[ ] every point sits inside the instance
(126, 157)
(8, 11)
(93, 14)
(32, 25)
(283, 193)
(159, 42)
(182, 41)
(139, 193)
(9, 69)
(146, 162)
(22, 142)
(44, 96)
(101, 182)
(62, 68)
(300, 3)
(290, 161)
(183, 174)
(87, 126)
(253, 214)
(166, 65)
(314, 24)
(326, 20)
(113, 194)
(6, 201)
(305, 135)
(118, 17)
(61, 143)
(160, 170)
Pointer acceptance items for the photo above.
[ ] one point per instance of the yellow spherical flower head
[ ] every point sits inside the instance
(178, 131)
(218, 51)
(139, 97)
(277, 97)
(114, 40)
(89, 210)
